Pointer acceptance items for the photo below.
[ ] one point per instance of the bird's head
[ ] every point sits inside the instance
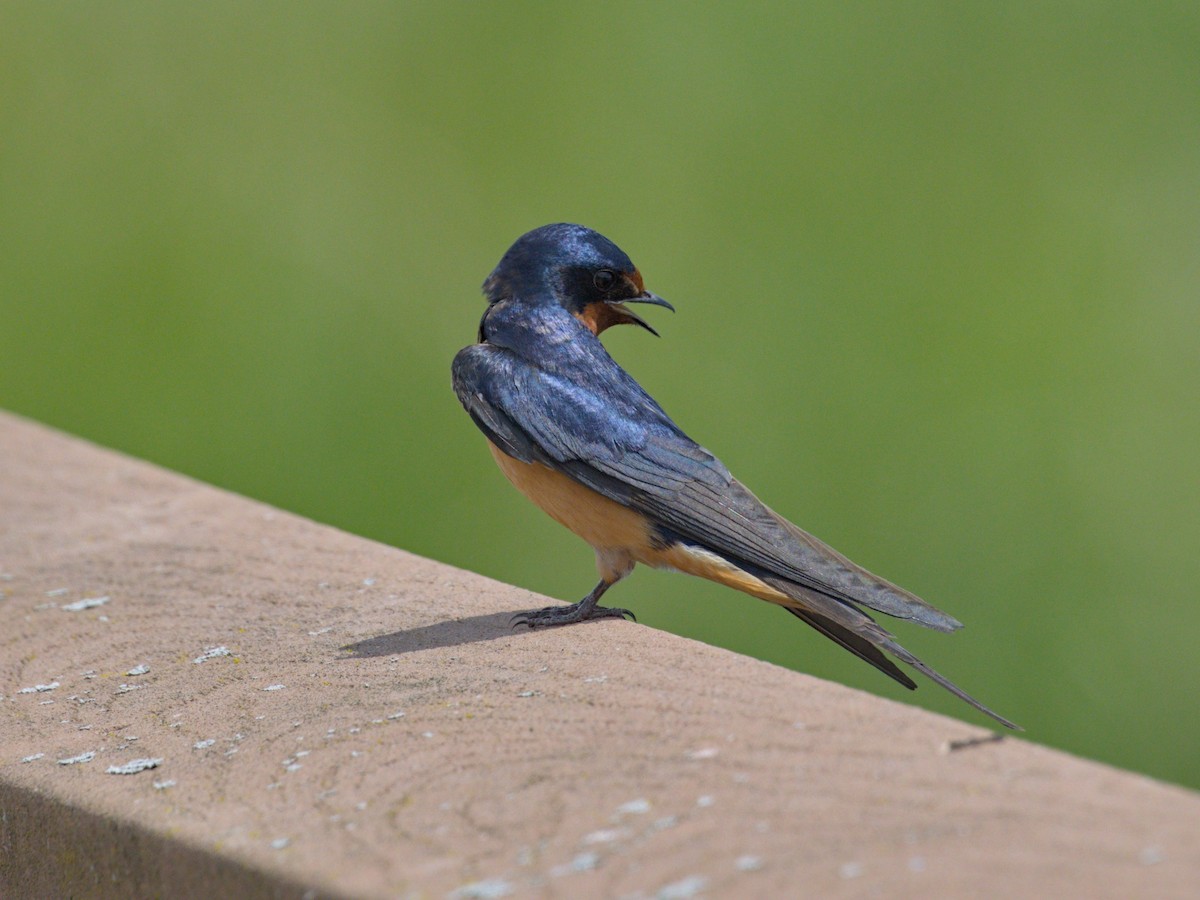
(581, 270)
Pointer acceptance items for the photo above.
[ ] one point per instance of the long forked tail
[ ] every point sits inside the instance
(904, 656)
(868, 641)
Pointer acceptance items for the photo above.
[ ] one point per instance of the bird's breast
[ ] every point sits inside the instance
(601, 522)
(607, 525)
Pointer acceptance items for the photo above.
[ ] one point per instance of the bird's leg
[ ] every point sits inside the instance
(585, 609)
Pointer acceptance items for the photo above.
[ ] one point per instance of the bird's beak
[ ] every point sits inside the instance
(653, 299)
(626, 316)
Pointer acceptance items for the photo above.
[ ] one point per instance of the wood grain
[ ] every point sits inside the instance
(377, 730)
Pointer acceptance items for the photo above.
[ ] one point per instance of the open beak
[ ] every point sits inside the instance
(628, 316)
(652, 299)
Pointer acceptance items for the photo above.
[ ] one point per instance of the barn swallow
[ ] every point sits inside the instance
(576, 434)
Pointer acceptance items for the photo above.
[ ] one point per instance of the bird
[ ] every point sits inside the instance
(574, 432)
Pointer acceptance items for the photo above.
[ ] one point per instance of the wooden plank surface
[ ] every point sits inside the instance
(373, 728)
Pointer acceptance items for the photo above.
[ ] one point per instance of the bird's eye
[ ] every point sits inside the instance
(603, 280)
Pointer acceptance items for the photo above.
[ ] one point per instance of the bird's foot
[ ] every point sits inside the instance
(568, 615)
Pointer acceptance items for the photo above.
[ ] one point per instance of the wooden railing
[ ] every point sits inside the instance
(333, 717)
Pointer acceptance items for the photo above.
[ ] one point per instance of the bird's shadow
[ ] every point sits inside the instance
(453, 633)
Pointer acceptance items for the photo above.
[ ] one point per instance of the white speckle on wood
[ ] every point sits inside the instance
(605, 836)
(163, 785)
(81, 758)
(585, 862)
(683, 889)
(395, 715)
(916, 864)
(58, 592)
(140, 669)
(280, 843)
(35, 756)
(596, 679)
(1151, 856)
(703, 753)
(85, 603)
(634, 806)
(748, 863)
(850, 870)
(126, 688)
(527, 694)
(274, 687)
(488, 889)
(324, 630)
(134, 766)
(212, 653)
(39, 688)
(201, 745)
(705, 800)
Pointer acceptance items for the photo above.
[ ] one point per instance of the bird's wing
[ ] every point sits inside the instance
(612, 437)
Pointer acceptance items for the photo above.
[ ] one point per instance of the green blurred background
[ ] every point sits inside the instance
(936, 267)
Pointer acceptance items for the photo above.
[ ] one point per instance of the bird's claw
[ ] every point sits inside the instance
(567, 615)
